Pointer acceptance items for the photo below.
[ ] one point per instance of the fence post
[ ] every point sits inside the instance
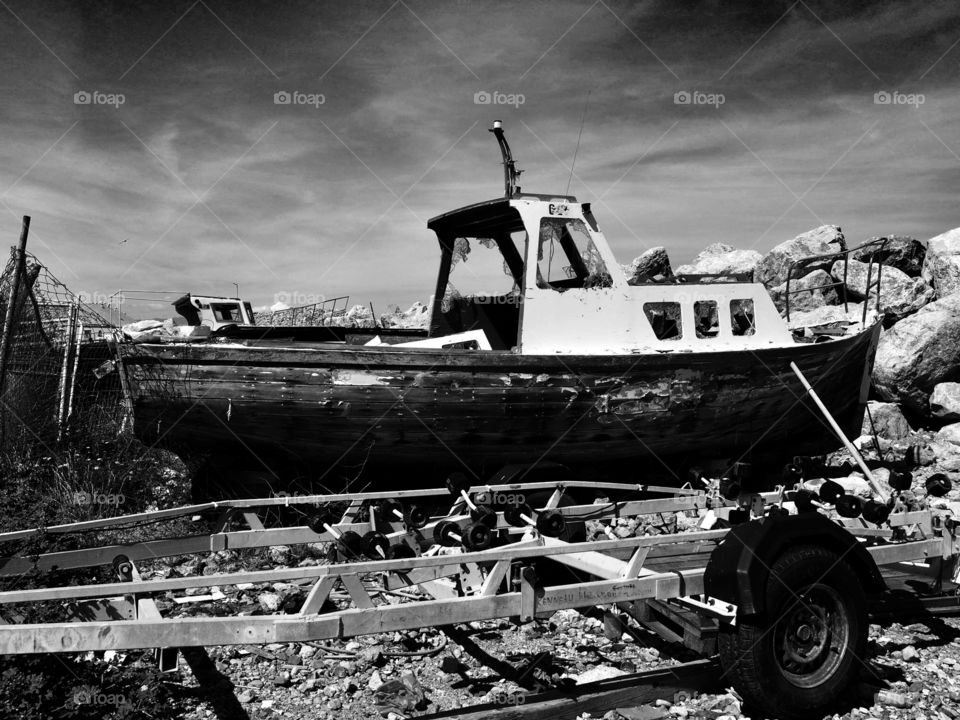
(8, 319)
(65, 370)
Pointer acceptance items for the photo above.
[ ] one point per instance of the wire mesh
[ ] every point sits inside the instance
(58, 376)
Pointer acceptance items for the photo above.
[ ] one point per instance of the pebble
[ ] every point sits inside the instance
(910, 654)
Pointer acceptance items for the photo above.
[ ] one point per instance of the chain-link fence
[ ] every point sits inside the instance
(57, 356)
(328, 312)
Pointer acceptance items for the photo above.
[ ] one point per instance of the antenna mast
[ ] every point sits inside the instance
(510, 172)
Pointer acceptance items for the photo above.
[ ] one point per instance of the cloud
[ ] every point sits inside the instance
(305, 198)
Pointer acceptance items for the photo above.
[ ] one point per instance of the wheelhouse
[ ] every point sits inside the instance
(564, 292)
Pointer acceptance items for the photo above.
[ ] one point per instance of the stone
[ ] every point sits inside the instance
(269, 601)
(945, 401)
(824, 240)
(918, 353)
(900, 294)
(816, 295)
(651, 266)
(721, 259)
(600, 672)
(280, 554)
(904, 253)
(949, 434)
(941, 267)
(417, 317)
(855, 485)
(827, 315)
(910, 654)
(888, 421)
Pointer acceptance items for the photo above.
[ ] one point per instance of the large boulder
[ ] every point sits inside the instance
(416, 318)
(919, 352)
(941, 267)
(816, 294)
(824, 240)
(827, 315)
(900, 294)
(652, 266)
(904, 253)
(721, 259)
(945, 401)
(888, 421)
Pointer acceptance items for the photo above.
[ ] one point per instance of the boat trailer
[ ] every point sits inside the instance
(776, 582)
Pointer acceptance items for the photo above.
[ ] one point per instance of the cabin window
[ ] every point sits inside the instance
(664, 318)
(227, 313)
(478, 270)
(742, 317)
(707, 318)
(568, 258)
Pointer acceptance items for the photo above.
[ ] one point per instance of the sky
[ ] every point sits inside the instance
(150, 146)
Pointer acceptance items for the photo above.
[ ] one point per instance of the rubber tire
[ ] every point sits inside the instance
(747, 653)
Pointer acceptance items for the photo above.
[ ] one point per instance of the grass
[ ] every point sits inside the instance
(82, 481)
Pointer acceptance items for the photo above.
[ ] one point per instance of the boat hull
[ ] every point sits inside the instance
(329, 413)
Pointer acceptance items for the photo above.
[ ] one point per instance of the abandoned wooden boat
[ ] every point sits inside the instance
(570, 364)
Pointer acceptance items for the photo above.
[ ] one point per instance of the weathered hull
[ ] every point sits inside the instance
(326, 411)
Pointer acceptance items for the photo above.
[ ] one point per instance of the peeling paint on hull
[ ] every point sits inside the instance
(327, 409)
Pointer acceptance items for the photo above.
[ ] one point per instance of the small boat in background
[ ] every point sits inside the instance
(566, 363)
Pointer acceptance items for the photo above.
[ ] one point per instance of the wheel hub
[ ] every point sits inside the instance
(812, 635)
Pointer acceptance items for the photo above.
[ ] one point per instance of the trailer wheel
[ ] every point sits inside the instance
(797, 659)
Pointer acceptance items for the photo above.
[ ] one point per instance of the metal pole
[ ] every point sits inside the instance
(836, 428)
(65, 371)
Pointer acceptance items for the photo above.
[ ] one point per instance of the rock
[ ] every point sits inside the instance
(900, 294)
(918, 353)
(358, 316)
(417, 317)
(375, 680)
(941, 267)
(945, 401)
(269, 601)
(247, 696)
(904, 253)
(651, 266)
(855, 485)
(806, 301)
(949, 434)
(824, 240)
(888, 421)
(721, 259)
(910, 654)
(600, 672)
(827, 315)
(280, 554)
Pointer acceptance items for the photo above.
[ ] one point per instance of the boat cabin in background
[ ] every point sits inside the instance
(214, 312)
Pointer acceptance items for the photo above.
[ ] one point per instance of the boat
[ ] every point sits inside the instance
(571, 369)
